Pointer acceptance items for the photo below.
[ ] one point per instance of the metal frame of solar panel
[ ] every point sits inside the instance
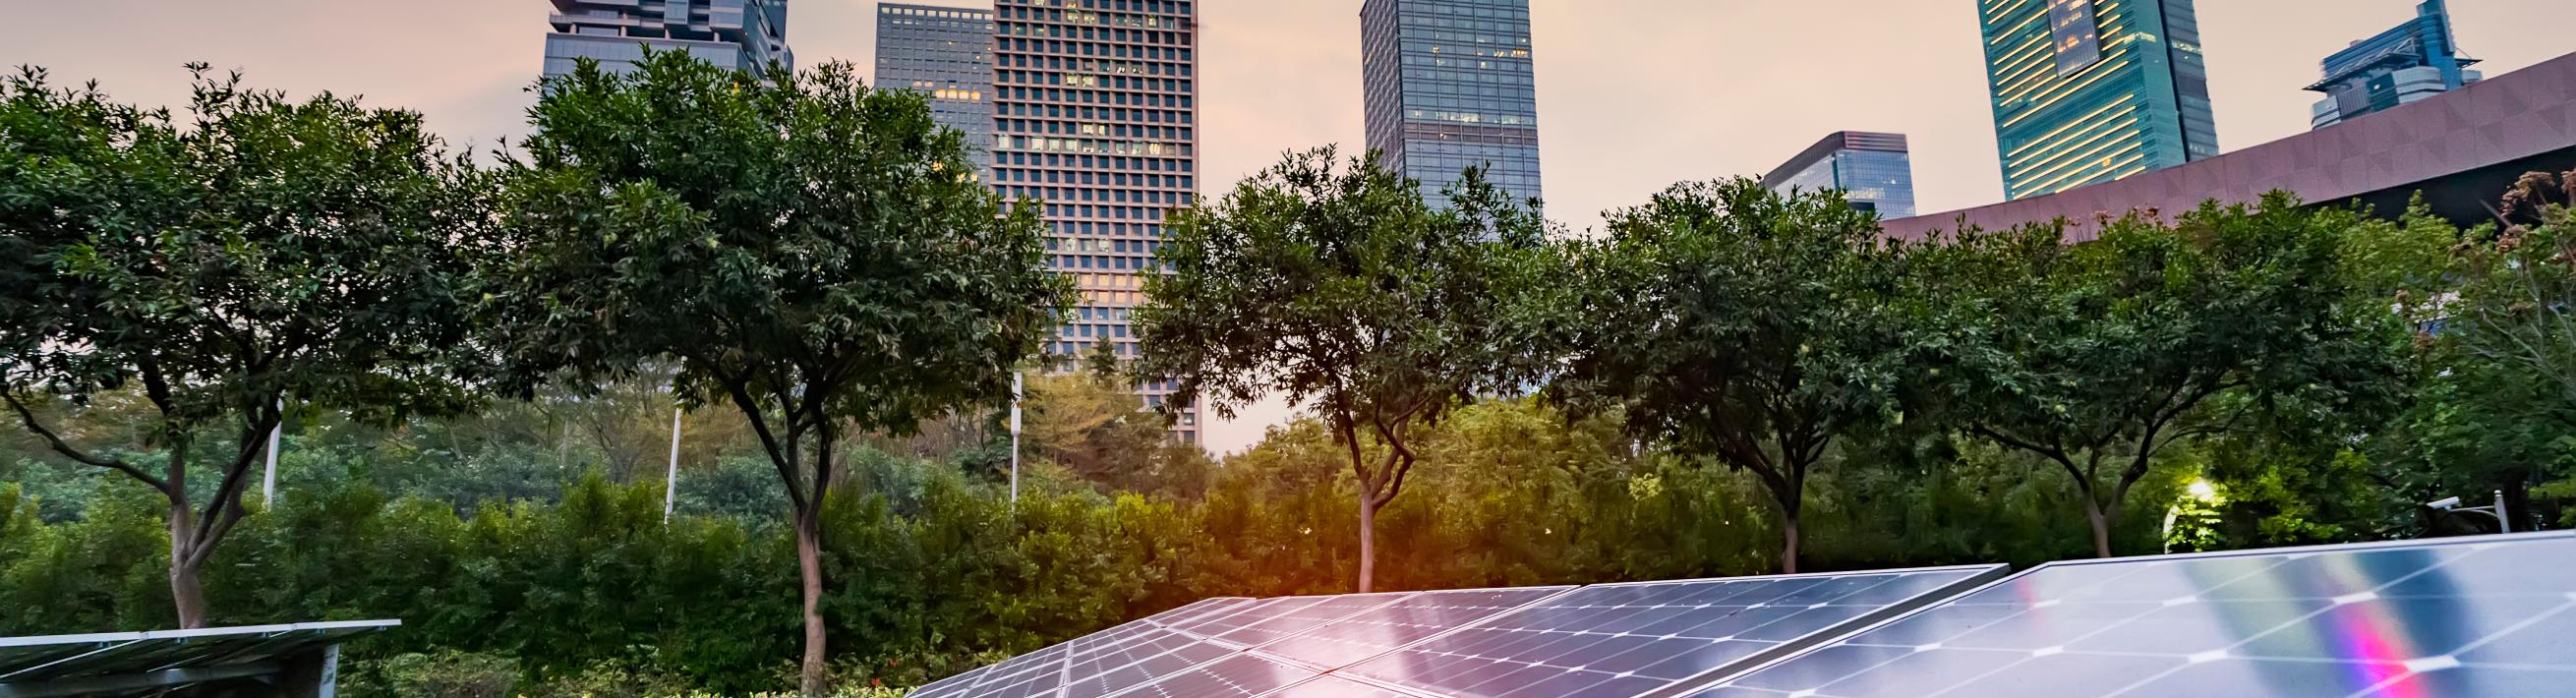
(2444, 618)
(1391, 644)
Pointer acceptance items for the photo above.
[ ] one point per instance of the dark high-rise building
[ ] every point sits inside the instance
(2088, 92)
(1448, 86)
(738, 34)
(1874, 171)
(945, 53)
(2411, 62)
(1096, 118)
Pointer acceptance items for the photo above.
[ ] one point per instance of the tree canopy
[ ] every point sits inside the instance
(814, 252)
(1336, 284)
(1737, 324)
(265, 250)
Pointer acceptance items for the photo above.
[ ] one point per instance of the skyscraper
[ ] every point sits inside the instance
(1873, 170)
(946, 53)
(2087, 92)
(1448, 86)
(1096, 118)
(2411, 62)
(739, 34)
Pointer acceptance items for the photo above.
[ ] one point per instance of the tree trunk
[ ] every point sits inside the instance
(187, 592)
(1788, 542)
(2101, 518)
(809, 558)
(1368, 541)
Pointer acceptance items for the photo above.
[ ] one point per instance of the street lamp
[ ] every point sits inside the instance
(2498, 511)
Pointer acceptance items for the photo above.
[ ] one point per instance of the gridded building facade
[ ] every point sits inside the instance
(1875, 171)
(2410, 63)
(1448, 86)
(1096, 119)
(738, 34)
(945, 53)
(2088, 92)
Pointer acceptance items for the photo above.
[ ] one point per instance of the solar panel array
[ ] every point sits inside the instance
(1608, 640)
(2491, 616)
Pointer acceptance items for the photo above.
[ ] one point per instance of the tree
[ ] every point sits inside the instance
(1737, 324)
(1099, 430)
(2501, 398)
(270, 250)
(816, 253)
(2099, 355)
(1339, 287)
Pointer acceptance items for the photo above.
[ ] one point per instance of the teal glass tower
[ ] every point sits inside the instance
(2087, 92)
(1449, 85)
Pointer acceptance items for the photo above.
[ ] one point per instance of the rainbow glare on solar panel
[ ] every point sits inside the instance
(2488, 616)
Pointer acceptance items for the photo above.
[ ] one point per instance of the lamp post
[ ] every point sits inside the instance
(268, 480)
(671, 483)
(2504, 522)
(1015, 443)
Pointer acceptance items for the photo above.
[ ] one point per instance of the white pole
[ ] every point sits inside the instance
(1015, 443)
(2503, 523)
(671, 486)
(268, 482)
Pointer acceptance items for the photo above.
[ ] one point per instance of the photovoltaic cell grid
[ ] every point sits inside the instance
(1282, 617)
(1633, 639)
(1394, 625)
(2494, 616)
(1287, 646)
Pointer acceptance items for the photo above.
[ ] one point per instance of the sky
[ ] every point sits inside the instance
(1634, 95)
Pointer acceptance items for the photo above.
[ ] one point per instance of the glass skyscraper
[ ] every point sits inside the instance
(1448, 86)
(2411, 62)
(2088, 92)
(946, 53)
(737, 34)
(1874, 171)
(1096, 119)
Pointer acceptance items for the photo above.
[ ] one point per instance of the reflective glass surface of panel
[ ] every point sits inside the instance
(1625, 640)
(2459, 618)
(1378, 630)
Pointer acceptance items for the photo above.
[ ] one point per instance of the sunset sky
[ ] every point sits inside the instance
(1633, 94)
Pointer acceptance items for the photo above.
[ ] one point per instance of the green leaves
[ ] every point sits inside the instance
(781, 233)
(1337, 285)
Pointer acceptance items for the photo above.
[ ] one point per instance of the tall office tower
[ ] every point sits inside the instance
(2086, 93)
(1874, 171)
(946, 53)
(2414, 61)
(1448, 86)
(739, 34)
(1095, 118)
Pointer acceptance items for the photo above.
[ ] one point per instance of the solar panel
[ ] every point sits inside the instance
(1330, 686)
(1287, 616)
(1236, 676)
(1631, 639)
(1395, 625)
(2492, 616)
(951, 687)
(211, 660)
(1197, 610)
